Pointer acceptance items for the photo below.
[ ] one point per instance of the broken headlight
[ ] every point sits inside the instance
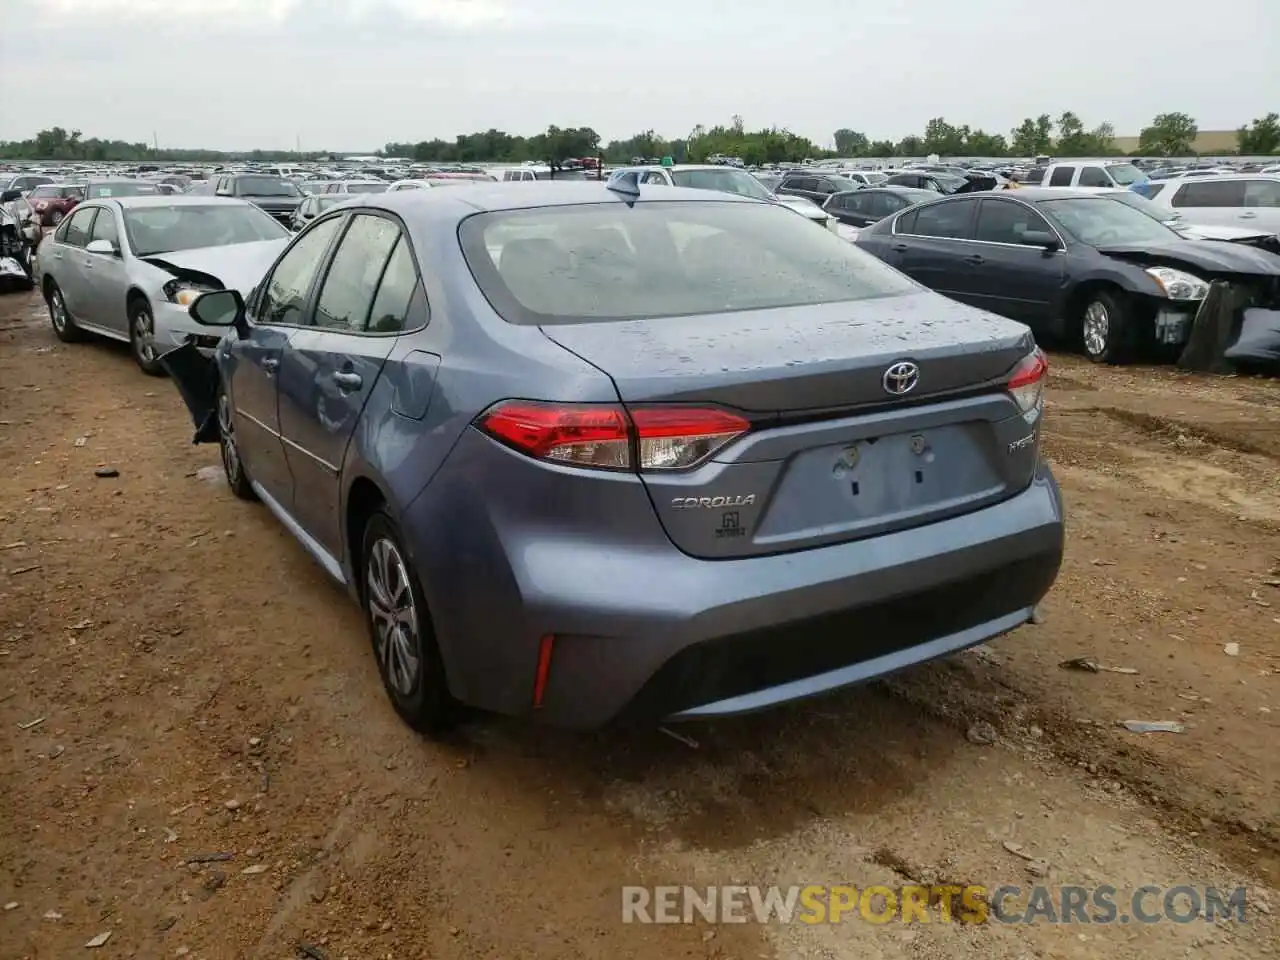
(1178, 284)
(184, 292)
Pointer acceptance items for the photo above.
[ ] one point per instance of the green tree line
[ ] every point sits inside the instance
(1168, 135)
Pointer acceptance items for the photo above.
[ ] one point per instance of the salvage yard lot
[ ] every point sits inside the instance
(200, 688)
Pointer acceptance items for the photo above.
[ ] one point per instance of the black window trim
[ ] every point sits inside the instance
(326, 262)
(981, 200)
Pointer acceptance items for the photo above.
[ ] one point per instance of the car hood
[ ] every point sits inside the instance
(275, 203)
(237, 266)
(802, 206)
(1204, 231)
(1213, 256)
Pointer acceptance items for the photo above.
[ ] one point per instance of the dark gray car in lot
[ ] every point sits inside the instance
(588, 454)
(1086, 268)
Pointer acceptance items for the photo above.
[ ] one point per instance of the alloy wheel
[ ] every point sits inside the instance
(1097, 328)
(394, 615)
(144, 335)
(57, 311)
(227, 439)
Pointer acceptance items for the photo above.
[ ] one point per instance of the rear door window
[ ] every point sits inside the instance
(1262, 193)
(1210, 193)
(1061, 176)
(401, 303)
(348, 290)
(1094, 177)
(950, 220)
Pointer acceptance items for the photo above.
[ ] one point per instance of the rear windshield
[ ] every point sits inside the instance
(265, 187)
(122, 188)
(611, 261)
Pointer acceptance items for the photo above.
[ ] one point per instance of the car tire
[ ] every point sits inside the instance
(64, 325)
(55, 218)
(400, 630)
(228, 447)
(142, 337)
(1107, 327)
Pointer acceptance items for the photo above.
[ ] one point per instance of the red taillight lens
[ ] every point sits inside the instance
(671, 438)
(601, 436)
(576, 434)
(1026, 385)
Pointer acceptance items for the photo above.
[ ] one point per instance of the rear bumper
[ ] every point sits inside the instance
(645, 632)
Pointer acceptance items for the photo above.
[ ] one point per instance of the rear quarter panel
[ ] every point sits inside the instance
(482, 359)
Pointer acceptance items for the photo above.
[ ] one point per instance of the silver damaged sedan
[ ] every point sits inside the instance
(128, 267)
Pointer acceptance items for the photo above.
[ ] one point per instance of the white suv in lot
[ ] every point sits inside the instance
(1242, 199)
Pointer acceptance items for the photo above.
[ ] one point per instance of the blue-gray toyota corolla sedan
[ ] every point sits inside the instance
(589, 454)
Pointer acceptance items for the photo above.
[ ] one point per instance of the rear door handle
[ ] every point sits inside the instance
(975, 259)
(1248, 216)
(270, 365)
(348, 381)
(898, 247)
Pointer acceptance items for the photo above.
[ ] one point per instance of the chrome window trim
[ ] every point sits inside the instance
(893, 228)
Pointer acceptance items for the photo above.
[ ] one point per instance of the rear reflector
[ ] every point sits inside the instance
(544, 668)
(607, 437)
(1026, 385)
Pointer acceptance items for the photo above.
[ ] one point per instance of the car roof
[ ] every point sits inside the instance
(174, 200)
(1035, 194)
(485, 197)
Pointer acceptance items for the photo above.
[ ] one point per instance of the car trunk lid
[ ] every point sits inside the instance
(833, 455)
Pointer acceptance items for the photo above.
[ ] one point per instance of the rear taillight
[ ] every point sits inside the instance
(607, 437)
(1026, 385)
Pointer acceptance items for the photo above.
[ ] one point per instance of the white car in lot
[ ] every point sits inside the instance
(1232, 200)
(128, 268)
(710, 176)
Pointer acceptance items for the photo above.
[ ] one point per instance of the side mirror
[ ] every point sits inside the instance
(103, 248)
(10, 195)
(1042, 238)
(219, 308)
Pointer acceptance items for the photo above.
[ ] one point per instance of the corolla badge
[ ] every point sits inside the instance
(901, 378)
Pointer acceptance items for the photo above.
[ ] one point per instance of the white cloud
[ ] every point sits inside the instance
(459, 12)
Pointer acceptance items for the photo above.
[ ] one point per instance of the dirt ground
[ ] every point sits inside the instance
(179, 680)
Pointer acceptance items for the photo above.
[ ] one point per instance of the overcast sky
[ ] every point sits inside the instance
(352, 75)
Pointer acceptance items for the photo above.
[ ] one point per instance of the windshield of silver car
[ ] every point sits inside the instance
(156, 230)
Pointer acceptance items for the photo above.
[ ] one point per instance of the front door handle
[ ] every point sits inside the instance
(1250, 215)
(348, 381)
(898, 247)
(975, 259)
(270, 365)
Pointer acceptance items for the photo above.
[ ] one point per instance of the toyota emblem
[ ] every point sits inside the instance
(901, 378)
